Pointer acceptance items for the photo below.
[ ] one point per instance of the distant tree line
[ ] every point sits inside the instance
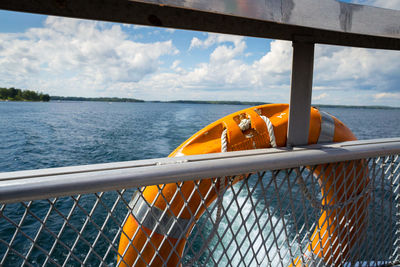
(14, 94)
(100, 99)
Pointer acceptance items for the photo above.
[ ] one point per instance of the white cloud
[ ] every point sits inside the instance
(357, 68)
(278, 60)
(77, 56)
(138, 27)
(175, 64)
(225, 67)
(320, 96)
(226, 75)
(214, 38)
(342, 75)
(169, 30)
(224, 53)
(387, 96)
(82, 58)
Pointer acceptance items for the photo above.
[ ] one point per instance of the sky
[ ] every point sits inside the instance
(72, 57)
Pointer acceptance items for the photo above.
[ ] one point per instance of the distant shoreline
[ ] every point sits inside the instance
(15, 94)
(95, 99)
(213, 102)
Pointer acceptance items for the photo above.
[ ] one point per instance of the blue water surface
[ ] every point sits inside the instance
(44, 135)
(56, 134)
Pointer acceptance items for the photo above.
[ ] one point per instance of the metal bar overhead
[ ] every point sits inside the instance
(322, 21)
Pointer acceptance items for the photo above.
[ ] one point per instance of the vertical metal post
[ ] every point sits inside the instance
(300, 95)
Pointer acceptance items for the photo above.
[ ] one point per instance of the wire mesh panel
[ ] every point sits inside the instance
(345, 213)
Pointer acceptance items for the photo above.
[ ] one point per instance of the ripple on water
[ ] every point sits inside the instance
(55, 134)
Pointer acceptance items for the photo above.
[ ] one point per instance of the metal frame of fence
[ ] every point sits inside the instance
(55, 182)
(265, 214)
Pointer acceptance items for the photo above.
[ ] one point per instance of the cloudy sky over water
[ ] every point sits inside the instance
(71, 57)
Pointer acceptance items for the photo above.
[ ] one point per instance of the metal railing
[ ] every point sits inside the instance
(261, 207)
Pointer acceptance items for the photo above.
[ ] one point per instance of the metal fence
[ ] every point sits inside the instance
(347, 212)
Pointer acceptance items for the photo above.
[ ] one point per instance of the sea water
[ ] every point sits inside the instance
(56, 134)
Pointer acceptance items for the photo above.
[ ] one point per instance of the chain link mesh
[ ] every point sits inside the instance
(262, 218)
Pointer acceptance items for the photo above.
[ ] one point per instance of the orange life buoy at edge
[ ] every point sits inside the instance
(331, 238)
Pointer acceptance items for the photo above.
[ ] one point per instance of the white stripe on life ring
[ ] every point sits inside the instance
(154, 218)
(327, 128)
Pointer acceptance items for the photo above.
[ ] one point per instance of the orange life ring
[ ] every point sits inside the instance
(246, 129)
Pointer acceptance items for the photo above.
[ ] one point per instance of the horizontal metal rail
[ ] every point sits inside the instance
(47, 183)
(270, 216)
(326, 22)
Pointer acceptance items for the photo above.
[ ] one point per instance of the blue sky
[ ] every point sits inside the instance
(71, 57)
